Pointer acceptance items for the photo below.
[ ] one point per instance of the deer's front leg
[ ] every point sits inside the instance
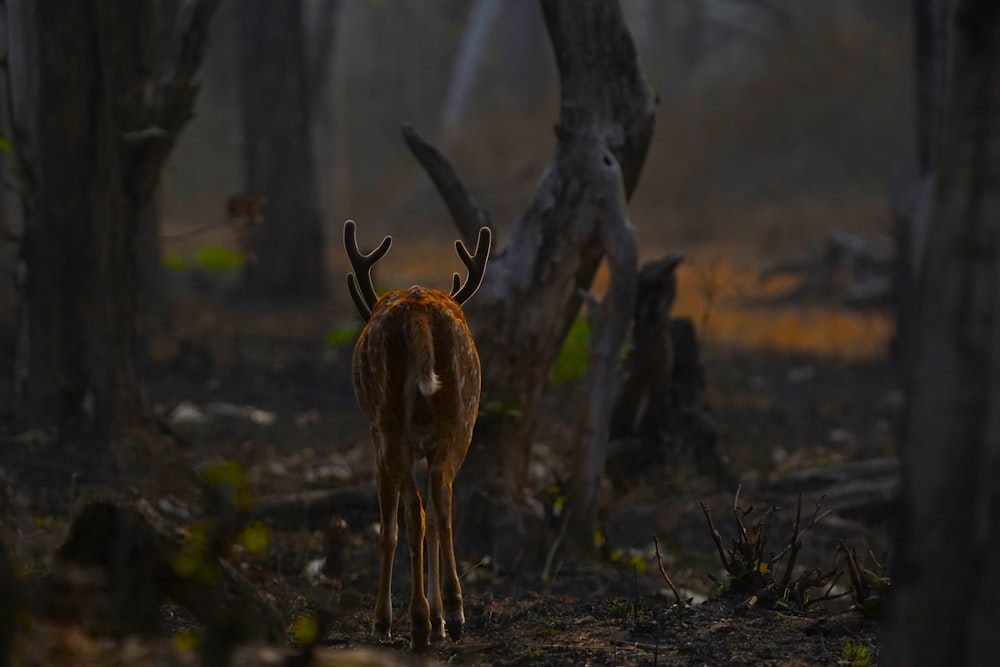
(388, 503)
(454, 614)
(420, 624)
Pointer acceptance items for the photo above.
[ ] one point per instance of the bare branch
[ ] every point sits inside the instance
(794, 544)
(663, 573)
(466, 212)
(717, 538)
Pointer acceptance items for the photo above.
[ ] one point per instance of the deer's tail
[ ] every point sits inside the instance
(420, 342)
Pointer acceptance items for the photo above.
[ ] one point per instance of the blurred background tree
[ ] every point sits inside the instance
(279, 89)
(950, 526)
(99, 97)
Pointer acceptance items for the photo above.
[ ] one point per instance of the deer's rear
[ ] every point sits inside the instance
(416, 373)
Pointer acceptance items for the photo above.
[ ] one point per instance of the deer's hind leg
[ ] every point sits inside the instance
(420, 625)
(434, 570)
(388, 502)
(451, 588)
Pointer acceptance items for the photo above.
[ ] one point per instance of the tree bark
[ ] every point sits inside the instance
(609, 324)
(96, 115)
(946, 571)
(531, 292)
(278, 161)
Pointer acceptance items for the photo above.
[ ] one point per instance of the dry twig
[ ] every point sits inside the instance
(663, 572)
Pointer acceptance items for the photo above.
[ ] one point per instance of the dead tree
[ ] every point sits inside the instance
(533, 291)
(645, 393)
(659, 417)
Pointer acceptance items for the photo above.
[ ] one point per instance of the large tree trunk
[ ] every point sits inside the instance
(531, 292)
(278, 161)
(947, 572)
(930, 22)
(96, 114)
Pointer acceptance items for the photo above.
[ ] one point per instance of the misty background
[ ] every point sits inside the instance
(778, 120)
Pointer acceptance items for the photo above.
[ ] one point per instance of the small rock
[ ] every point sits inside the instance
(188, 413)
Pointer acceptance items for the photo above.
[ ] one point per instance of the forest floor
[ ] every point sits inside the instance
(270, 389)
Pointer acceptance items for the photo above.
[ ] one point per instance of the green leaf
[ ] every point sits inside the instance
(345, 335)
(571, 364)
(254, 538)
(174, 262)
(6, 145)
(305, 630)
(218, 258)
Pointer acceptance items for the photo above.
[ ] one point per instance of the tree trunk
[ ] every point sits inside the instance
(609, 322)
(946, 571)
(278, 161)
(930, 21)
(96, 115)
(531, 292)
(478, 26)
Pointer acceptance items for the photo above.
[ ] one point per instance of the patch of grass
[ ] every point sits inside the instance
(857, 654)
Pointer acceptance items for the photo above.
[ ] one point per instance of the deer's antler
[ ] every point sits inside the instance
(360, 282)
(475, 263)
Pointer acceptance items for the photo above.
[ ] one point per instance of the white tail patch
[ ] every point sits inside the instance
(429, 383)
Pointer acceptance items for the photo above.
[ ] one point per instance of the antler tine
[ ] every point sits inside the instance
(475, 263)
(360, 282)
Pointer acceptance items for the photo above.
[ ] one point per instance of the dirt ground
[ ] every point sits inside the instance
(790, 388)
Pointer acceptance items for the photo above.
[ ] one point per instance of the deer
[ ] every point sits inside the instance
(416, 375)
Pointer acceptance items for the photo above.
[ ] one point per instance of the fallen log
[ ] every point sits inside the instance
(312, 510)
(863, 490)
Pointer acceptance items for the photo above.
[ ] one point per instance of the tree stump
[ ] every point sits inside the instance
(658, 413)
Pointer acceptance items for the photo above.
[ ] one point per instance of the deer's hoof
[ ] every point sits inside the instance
(437, 629)
(455, 624)
(380, 631)
(418, 642)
